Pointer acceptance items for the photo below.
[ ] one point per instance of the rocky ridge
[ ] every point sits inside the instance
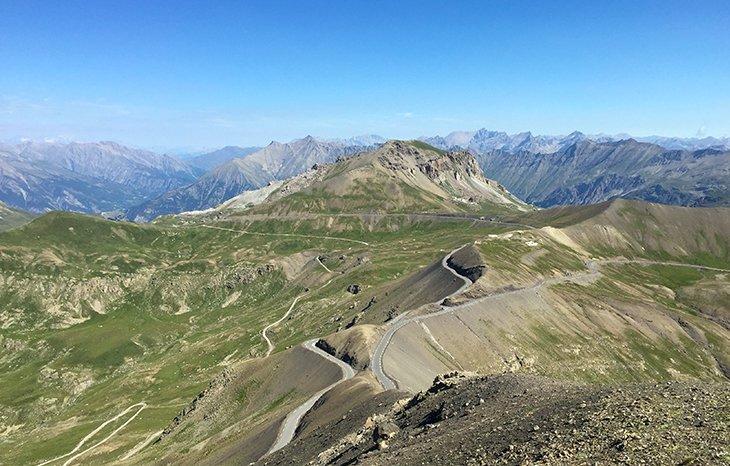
(515, 419)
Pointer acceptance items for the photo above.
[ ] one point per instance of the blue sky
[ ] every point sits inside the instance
(210, 73)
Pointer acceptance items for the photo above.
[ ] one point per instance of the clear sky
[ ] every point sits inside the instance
(209, 73)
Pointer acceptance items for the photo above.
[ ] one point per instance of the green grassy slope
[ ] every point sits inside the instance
(13, 218)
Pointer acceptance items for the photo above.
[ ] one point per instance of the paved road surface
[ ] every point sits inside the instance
(396, 324)
(289, 426)
(402, 320)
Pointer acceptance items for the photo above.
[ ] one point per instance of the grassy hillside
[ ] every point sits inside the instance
(655, 231)
(11, 218)
(98, 315)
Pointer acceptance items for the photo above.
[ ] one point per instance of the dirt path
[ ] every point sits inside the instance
(142, 405)
(396, 324)
(137, 448)
(291, 422)
(274, 324)
(322, 264)
(290, 235)
(416, 216)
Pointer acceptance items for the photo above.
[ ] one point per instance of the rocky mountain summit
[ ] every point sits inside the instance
(397, 176)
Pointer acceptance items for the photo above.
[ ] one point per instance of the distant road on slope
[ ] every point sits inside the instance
(293, 235)
(377, 215)
(322, 264)
(289, 426)
(142, 405)
(668, 263)
(400, 321)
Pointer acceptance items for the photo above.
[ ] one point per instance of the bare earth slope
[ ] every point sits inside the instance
(516, 419)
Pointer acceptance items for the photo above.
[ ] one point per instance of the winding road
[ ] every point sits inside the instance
(289, 427)
(322, 264)
(668, 263)
(388, 382)
(396, 324)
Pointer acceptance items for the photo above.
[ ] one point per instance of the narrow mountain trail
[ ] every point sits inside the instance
(274, 324)
(288, 235)
(381, 215)
(76, 453)
(141, 445)
(322, 264)
(668, 263)
(289, 427)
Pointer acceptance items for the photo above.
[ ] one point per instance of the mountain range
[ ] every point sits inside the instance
(106, 177)
(485, 140)
(586, 172)
(397, 176)
(85, 177)
(210, 160)
(277, 161)
(395, 306)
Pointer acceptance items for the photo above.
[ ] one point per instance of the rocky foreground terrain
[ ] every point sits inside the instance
(519, 419)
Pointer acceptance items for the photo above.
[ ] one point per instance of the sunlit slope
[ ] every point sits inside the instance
(398, 177)
(100, 316)
(642, 229)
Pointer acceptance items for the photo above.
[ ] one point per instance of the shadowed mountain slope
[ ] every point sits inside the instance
(11, 218)
(587, 172)
(85, 177)
(211, 160)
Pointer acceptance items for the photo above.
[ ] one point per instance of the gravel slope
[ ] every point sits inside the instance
(518, 419)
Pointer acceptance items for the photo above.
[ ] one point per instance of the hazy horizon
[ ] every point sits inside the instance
(199, 75)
